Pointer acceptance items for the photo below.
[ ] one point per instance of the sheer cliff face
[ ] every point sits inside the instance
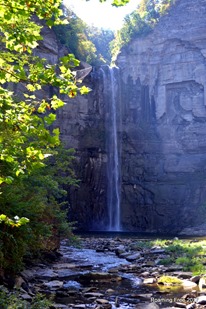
(164, 99)
(163, 132)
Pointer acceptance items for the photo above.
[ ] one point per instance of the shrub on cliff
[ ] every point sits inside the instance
(139, 23)
(87, 43)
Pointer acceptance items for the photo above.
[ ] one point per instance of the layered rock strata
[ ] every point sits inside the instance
(163, 131)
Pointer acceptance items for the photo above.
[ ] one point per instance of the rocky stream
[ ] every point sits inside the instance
(105, 273)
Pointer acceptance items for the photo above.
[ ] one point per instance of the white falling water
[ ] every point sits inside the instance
(112, 147)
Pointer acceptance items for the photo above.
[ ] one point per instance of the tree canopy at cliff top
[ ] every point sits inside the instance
(117, 2)
(139, 23)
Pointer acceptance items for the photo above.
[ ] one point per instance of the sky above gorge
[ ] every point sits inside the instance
(101, 15)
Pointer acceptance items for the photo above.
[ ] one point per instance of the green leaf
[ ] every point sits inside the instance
(30, 87)
(41, 156)
(9, 180)
(23, 220)
(50, 119)
(84, 90)
(56, 102)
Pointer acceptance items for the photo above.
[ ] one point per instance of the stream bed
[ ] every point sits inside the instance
(107, 273)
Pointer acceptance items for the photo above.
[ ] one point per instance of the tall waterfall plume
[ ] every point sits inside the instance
(112, 123)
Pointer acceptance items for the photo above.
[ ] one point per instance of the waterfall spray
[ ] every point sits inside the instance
(112, 148)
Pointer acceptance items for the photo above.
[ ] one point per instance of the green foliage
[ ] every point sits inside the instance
(192, 258)
(117, 2)
(139, 23)
(13, 301)
(197, 268)
(169, 280)
(16, 222)
(134, 26)
(89, 44)
(40, 197)
(186, 253)
(101, 39)
(142, 244)
(32, 194)
(24, 134)
(193, 264)
(189, 254)
(166, 261)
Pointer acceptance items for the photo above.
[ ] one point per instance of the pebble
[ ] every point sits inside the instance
(149, 281)
(201, 300)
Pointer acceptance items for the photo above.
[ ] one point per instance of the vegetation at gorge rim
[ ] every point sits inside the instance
(33, 196)
(100, 46)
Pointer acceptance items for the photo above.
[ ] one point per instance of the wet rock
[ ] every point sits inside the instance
(173, 268)
(103, 304)
(195, 279)
(110, 291)
(180, 305)
(28, 273)
(187, 284)
(120, 250)
(133, 257)
(145, 274)
(149, 264)
(142, 297)
(71, 284)
(51, 256)
(113, 270)
(149, 281)
(132, 268)
(191, 306)
(157, 251)
(102, 301)
(93, 294)
(147, 306)
(90, 289)
(155, 274)
(46, 274)
(55, 284)
(20, 283)
(65, 266)
(183, 275)
(61, 294)
(201, 300)
(202, 283)
(189, 297)
(92, 277)
(169, 307)
(26, 297)
(66, 274)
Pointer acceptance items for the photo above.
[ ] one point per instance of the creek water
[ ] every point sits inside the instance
(99, 262)
(129, 292)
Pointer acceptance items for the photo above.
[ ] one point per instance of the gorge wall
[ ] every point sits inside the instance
(162, 132)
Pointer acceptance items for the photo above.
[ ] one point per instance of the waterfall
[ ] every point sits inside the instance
(111, 95)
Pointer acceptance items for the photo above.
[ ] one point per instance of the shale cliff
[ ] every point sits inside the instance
(162, 131)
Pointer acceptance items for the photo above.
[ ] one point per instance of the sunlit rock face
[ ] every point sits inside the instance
(164, 123)
(163, 130)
